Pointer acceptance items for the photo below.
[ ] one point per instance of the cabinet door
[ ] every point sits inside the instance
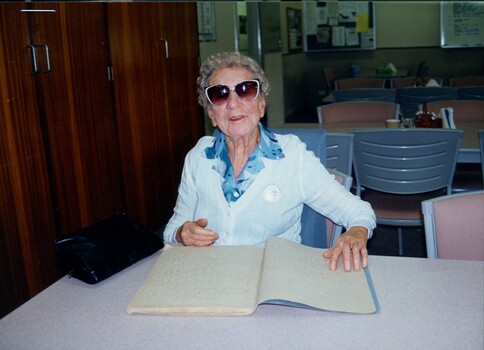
(185, 116)
(77, 111)
(60, 168)
(27, 230)
(154, 51)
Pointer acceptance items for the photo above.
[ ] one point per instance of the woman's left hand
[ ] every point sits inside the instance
(352, 246)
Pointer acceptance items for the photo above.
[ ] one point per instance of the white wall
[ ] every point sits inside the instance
(275, 111)
(225, 37)
(404, 24)
(406, 32)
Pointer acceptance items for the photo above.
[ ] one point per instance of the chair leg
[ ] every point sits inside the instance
(400, 241)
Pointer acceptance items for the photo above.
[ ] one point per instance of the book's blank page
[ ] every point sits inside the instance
(195, 280)
(300, 274)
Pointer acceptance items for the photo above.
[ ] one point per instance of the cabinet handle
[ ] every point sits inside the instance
(39, 11)
(110, 73)
(47, 58)
(33, 52)
(165, 43)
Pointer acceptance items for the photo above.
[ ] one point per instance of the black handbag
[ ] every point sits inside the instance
(99, 251)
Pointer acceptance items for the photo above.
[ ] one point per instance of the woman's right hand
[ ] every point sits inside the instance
(194, 233)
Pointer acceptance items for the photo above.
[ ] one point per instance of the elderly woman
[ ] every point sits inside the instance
(248, 184)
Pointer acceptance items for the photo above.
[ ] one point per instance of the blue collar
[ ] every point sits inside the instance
(268, 145)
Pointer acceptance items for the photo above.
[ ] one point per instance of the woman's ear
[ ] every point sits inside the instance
(262, 106)
(211, 116)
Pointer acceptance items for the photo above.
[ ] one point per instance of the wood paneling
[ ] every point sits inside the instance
(76, 147)
(77, 113)
(154, 53)
(27, 225)
(60, 168)
(185, 116)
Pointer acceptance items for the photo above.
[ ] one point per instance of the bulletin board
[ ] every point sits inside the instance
(462, 24)
(339, 25)
(206, 22)
(294, 29)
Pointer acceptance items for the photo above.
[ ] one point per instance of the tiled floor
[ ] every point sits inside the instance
(385, 242)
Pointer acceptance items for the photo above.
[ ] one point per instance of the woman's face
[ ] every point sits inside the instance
(236, 117)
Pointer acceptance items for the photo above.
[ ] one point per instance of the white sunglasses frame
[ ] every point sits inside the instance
(233, 89)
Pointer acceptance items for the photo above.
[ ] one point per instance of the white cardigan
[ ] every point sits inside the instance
(272, 205)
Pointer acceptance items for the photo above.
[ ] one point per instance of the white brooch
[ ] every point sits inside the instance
(272, 193)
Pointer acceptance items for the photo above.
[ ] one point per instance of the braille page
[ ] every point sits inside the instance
(195, 280)
(300, 274)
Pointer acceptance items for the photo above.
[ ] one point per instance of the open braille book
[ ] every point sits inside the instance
(234, 280)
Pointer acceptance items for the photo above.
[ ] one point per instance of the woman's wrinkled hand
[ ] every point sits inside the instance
(352, 246)
(194, 233)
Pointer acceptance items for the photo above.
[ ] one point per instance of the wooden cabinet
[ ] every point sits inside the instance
(60, 156)
(77, 112)
(154, 52)
(76, 146)
(27, 220)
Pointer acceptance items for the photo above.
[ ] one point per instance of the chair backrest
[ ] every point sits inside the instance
(470, 93)
(480, 134)
(422, 69)
(329, 78)
(313, 224)
(364, 94)
(471, 80)
(413, 81)
(410, 98)
(463, 110)
(333, 231)
(358, 83)
(339, 152)
(454, 226)
(315, 139)
(405, 161)
(358, 111)
(316, 230)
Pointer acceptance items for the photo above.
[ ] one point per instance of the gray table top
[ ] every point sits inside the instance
(424, 304)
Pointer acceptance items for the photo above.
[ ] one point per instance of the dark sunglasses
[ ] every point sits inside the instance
(247, 90)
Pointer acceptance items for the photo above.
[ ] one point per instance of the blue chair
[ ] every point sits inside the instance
(329, 79)
(339, 157)
(333, 231)
(454, 226)
(411, 98)
(339, 162)
(397, 169)
(480, 133)
(315, 139)
(313, 224)
(423, 69)
(364, 94)
(467, 176)
(339, 152)
(470, 93)
(316, 230)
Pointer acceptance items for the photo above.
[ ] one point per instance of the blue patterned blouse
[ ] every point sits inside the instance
(233, 188)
